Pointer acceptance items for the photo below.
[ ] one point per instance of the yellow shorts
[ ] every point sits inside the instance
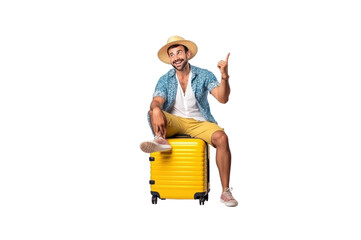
(197, 129)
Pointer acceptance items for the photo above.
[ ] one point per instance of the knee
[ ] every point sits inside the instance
(220, 139)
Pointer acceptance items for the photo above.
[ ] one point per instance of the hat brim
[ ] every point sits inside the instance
(163, 54)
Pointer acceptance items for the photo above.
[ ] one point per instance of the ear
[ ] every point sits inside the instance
(189, 54)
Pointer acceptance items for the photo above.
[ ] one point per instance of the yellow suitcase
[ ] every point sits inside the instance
(181, 173)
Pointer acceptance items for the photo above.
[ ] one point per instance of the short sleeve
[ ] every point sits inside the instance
(212, 81)
(161, 89)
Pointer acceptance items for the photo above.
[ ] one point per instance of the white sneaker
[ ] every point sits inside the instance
(159, 144)
(228, 199)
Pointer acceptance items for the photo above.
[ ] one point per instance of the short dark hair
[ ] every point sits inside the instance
(177, 45)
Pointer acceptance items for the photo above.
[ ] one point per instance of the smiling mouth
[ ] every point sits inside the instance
(178, 62)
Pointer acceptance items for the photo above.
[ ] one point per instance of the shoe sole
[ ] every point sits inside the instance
(150, 147)
(229, 204)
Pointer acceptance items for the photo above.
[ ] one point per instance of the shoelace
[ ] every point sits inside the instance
(161, 140)
(157, 137)
(228, 193)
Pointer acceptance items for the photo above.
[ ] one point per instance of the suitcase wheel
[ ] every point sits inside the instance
(154, 199)
(201, 200)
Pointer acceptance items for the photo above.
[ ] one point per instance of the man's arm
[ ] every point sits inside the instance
(157, 102)
(221, 93)
(157, 117)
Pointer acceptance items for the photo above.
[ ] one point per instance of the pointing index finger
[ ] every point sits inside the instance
(227, 57)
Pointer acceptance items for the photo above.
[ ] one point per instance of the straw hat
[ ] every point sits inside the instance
(174, 40)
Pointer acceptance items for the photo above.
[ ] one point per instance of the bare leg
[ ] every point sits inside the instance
(223, 157)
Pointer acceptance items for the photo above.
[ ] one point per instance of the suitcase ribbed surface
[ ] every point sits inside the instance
(182, 172)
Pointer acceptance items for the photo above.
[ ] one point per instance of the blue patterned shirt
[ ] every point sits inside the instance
(202, 82)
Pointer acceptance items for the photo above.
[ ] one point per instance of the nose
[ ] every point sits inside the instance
(175, 59)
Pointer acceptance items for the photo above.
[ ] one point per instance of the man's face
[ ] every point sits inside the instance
(178, 57)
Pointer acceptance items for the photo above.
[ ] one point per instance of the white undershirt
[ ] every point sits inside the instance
(185, 103)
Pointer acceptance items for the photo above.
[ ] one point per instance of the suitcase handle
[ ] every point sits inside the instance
(181, 136)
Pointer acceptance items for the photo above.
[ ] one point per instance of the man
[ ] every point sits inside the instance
(180, 106)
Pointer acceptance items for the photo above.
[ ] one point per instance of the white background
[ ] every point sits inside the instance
(77, 79)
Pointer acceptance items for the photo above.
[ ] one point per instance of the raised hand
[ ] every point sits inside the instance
(223, 67)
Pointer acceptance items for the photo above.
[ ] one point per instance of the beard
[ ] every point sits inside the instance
(182, 66)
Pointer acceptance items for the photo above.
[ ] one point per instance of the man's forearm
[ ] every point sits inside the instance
(224, 89)
(158, 119)
(155, 104)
